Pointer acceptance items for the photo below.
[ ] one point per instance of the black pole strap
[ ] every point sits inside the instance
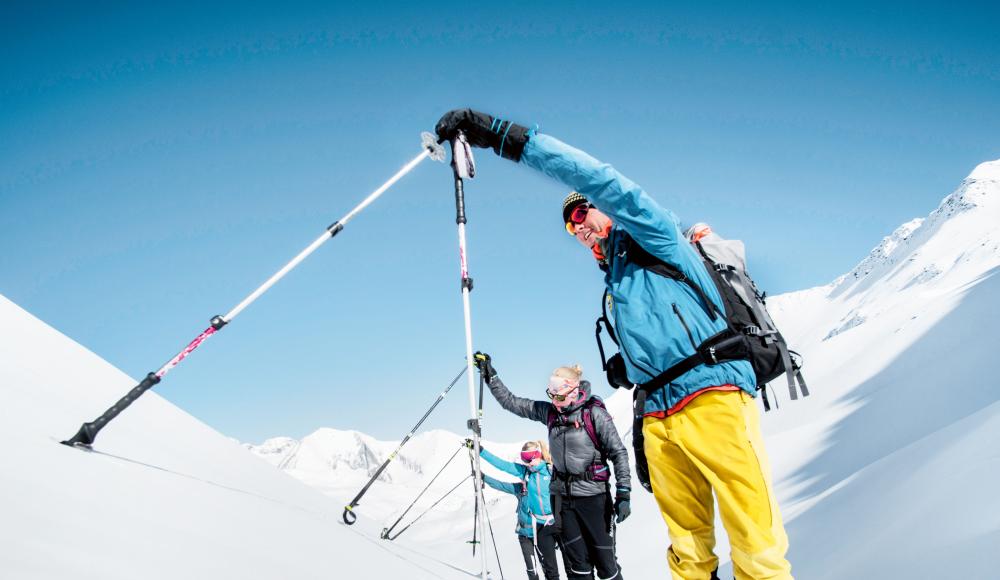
(349, 516)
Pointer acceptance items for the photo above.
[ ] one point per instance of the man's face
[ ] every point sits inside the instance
(594, 223)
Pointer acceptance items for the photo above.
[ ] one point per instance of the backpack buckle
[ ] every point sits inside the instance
(711, 353)
(752, 330)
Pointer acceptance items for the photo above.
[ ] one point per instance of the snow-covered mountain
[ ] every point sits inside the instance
(887, 471)
(164, 497)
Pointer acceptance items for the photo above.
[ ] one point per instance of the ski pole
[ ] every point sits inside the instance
(426, 511)
(475, 513)
(88, 431)
(493, 538)
(537, 555)
(464, 166)
(387, 531)
(349, 516)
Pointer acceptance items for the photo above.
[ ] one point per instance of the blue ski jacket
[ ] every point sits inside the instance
(658, 321)
(532, 492)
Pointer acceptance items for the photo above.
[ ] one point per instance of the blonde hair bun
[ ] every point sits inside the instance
(572, 373)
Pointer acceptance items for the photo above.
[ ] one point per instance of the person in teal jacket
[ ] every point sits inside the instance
(701, 429)
(534, 511)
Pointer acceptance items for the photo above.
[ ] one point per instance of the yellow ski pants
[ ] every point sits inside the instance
(714, 443)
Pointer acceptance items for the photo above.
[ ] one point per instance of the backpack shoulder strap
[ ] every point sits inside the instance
(640, 257)
(605, 297)
(588, 421)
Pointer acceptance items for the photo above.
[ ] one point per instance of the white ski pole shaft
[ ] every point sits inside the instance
(330, 232)
(464, 166)
(536, 555)
(88, 431)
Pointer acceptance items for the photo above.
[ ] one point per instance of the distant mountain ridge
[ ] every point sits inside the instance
(980, 190)
(350, 455)
(953, 246)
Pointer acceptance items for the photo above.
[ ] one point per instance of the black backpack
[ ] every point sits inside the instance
(750, 333)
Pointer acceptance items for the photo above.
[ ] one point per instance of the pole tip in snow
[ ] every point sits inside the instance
(429, 142)
(349, 516)
(83, 438)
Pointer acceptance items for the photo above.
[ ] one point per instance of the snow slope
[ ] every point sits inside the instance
(165, 497)
(890, 469)
(887, 471)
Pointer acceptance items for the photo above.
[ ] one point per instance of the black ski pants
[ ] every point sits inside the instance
(547, 538)
(586, 536)
(528, 551)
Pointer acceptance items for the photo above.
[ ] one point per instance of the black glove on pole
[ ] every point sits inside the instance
(507, 139)
(485, 365)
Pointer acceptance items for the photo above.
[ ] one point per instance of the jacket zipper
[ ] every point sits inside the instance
(677, 311)
(538, 490)
(621, 348)
(567, 485)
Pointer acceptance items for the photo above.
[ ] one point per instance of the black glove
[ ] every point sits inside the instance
(507, 139)
(468, 443)
(622, 507)
(484, 363)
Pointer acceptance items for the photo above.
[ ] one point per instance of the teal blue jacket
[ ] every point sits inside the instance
(654, 335)
(532, 492)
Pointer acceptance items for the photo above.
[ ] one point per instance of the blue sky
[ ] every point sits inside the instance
(157, 164)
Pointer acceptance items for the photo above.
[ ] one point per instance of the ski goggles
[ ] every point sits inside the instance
(561, 389)
(529, 456)
(576, 217)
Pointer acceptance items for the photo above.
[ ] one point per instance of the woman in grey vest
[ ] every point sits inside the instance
(582, 440)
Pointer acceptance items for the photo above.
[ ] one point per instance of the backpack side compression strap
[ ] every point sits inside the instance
(725, 346)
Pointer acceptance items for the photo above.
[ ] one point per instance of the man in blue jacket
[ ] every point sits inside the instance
(701, 429)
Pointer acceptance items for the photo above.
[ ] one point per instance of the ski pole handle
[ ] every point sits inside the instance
(88, 431)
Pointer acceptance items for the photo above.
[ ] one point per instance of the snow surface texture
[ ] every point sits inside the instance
(888, 470)
(164, 497)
